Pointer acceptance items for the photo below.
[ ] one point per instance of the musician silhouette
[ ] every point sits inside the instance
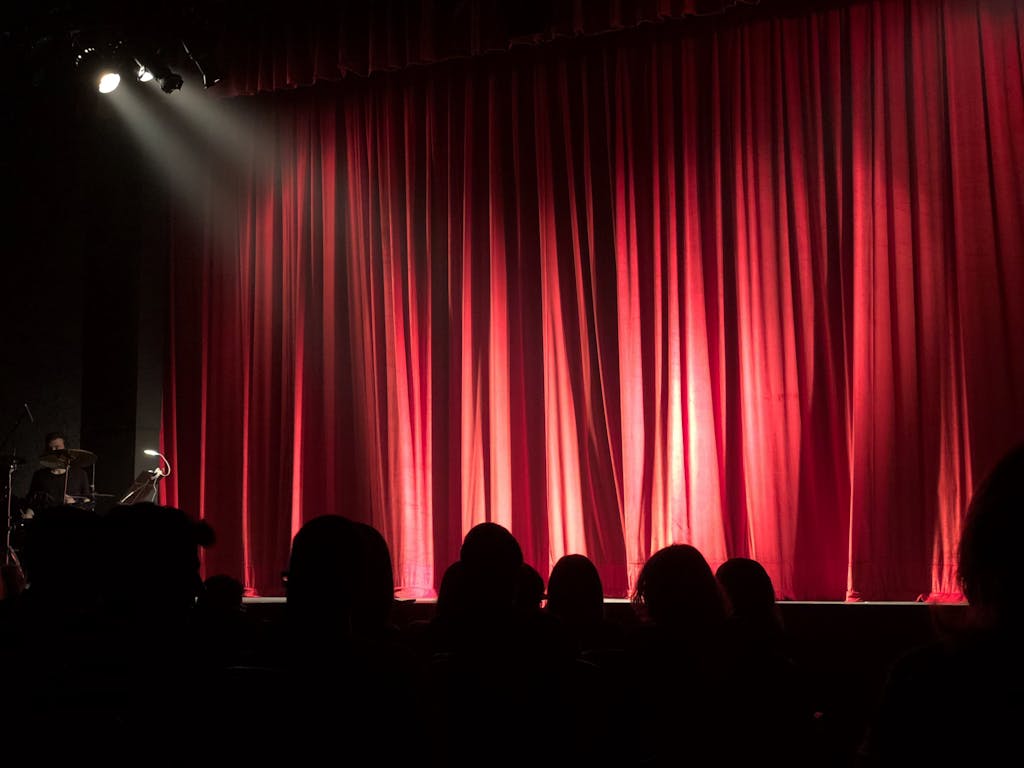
(62, 478)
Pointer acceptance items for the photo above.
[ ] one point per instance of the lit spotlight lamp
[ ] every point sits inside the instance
(159, 471)
(151, 67)
(99, 64)
(109, 81)
(143, 75)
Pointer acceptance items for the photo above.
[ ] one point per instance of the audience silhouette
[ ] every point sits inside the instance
(960, 700)
(576, 599)
(778, 712)
(500, 661)
(221, 621)
(103, 632)
(347, 673)
(530, 595)
(601, 685)
(682, 654)
(115, 632)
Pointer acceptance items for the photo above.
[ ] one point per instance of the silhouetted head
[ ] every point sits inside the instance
(375, 597)
(530, 593)
(451, 594)
(221, 596)
(54, 441)
(575, 593)
(59, 551)
(152, 558)
(676, 587)
(989, 566)
(748, 587)
(324, 571)
(491, 559)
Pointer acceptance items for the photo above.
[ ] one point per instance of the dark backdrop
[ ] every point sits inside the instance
(81, 303)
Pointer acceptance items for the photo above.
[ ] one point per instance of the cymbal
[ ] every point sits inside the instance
(8, 460)
(66, 458)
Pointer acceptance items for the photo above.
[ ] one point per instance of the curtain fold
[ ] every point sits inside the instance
(753, 286)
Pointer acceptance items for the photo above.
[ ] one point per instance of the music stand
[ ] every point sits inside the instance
(144, 489)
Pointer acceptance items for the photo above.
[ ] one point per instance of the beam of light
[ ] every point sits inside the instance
(181, 164)
(109, 81)
(218, 123)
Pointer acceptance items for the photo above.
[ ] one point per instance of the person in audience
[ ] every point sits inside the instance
(683, 656)
(500, 663)
(111, 664)
(151, 564)
(221, 596)
(323, 574)
(576, 599)
(373, 605)
(220, 624)
(435, 634)
(492, 562)
(59, 562)
(530, 595)
(602, 688)
(451, 595)
(960, 700)
(779, 710)
(752, 605)
(347, 675)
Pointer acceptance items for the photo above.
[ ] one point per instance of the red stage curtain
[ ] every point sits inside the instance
(268, 47)
(754, 286)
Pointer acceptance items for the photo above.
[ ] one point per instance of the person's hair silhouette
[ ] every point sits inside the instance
(677, 587)
(971, 679)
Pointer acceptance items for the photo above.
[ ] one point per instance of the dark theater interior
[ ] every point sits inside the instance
(562, 383)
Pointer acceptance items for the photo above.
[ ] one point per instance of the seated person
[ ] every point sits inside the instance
(54, 486)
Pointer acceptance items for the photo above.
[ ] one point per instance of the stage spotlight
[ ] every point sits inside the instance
(171, 82)
(153, 65)
(100, 66)
(109, 81)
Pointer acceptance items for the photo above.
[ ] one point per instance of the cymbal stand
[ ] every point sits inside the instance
(10, 558)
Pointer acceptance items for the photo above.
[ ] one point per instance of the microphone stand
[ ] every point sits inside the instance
(12, 430)
(10, 558)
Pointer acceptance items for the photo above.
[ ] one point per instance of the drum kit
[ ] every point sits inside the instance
(67, 458)
(64, 459)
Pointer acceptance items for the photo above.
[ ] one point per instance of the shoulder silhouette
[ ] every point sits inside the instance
(973, 680)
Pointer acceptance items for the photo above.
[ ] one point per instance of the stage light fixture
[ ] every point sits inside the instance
(99, 66)
(109, 81)
(171, 82)
(152, 67)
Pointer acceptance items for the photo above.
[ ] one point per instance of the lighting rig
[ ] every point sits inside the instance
(107, 64)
